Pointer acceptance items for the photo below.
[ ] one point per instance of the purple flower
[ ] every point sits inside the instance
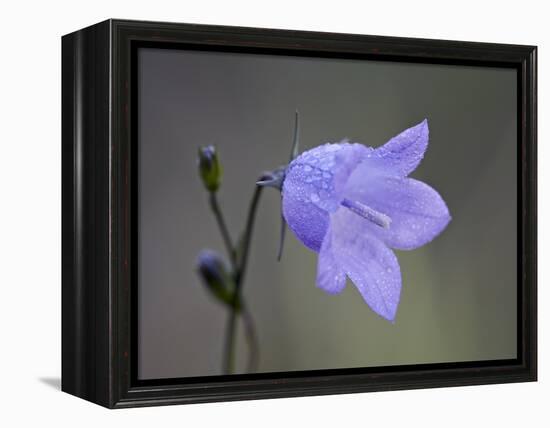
(352, 204)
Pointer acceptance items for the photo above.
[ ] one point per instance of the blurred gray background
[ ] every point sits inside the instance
(458, 301)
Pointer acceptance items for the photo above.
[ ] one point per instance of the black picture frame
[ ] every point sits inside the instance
(98, 214)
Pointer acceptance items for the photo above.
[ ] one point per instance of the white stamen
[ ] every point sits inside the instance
(368, 213)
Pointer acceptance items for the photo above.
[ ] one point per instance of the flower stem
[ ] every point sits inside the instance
(252, 340)
(228, 359)
(248, 235)
(214, 205)
(239, 269)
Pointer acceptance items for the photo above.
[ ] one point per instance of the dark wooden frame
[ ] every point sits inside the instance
(98, 347)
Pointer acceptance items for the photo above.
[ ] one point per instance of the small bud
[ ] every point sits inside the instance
(209, 168)
(214, 273)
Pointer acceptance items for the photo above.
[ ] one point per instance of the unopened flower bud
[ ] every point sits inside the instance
(209, 168)
(215, 276)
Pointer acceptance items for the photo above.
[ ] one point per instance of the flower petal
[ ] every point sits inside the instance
(308, 222)
(330, 277)
(313, 186)
(402, 154)
(371, 266)
(319, 175)
(417, 212)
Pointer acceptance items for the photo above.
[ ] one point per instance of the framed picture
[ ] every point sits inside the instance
(253, 213)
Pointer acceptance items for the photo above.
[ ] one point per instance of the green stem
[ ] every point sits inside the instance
(228, 361)
(229, 351)
(223, 228)
(240, 270)
(248, 235)
(252, 340)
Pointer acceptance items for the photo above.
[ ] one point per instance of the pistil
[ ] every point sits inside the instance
(376, 217)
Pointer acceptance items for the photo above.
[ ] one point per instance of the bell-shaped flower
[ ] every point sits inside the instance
(352, 204)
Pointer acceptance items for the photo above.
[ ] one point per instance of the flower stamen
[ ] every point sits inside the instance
(367, 212)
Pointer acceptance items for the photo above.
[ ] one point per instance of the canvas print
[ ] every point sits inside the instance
(306, 213)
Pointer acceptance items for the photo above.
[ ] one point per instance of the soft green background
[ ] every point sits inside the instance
(458, 301)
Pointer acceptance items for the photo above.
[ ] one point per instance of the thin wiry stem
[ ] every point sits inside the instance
(240, 270)
(252, 339)
(248, 236)
(229, 352)
(228, 360)
(223, 228)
